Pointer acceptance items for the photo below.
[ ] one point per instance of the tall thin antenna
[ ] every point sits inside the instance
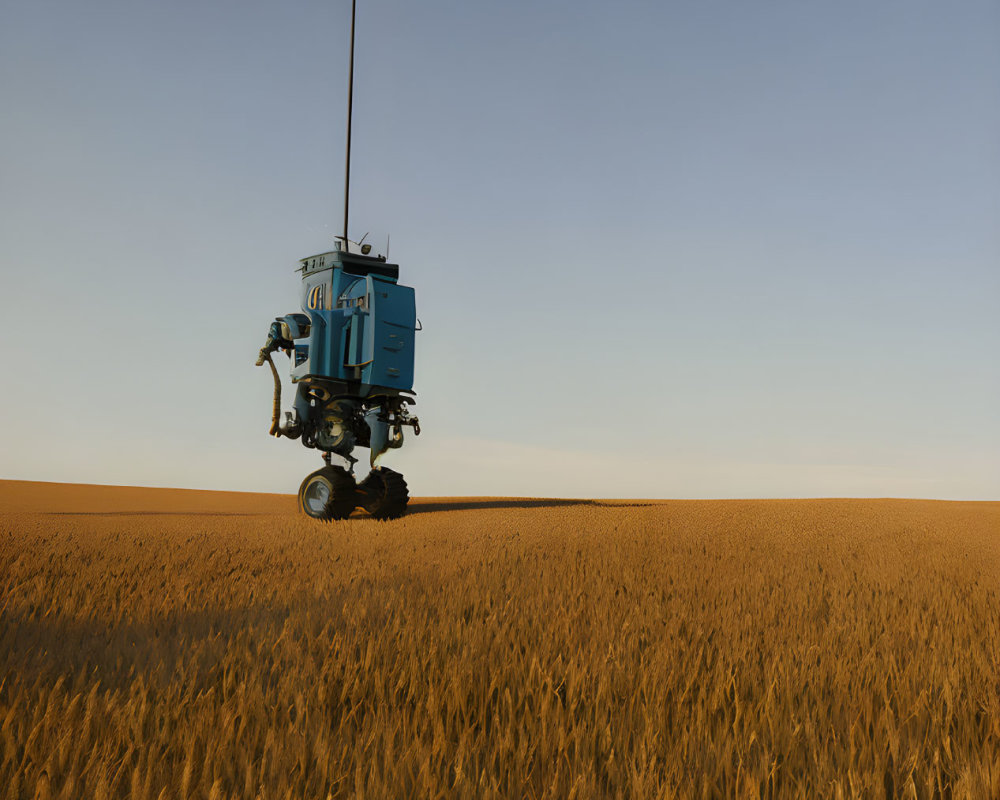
(350, 100)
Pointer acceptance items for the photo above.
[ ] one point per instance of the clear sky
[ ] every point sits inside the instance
(682, 249)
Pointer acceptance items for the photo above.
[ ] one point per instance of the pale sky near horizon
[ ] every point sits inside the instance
(659, 249)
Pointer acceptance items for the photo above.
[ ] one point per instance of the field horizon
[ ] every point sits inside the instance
(179, 643)
(68, 492)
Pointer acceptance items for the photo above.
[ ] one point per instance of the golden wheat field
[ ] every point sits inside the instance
(174, 644)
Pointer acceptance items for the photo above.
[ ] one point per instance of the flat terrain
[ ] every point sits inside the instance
(175, 644)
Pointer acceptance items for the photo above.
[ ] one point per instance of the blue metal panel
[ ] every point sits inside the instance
(326, 335)
(390, 334)
(355, 351)
(324, 342)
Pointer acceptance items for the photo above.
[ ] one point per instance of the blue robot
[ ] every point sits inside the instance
(351, 350)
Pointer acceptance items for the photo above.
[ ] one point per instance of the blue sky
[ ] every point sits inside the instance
(660, 249)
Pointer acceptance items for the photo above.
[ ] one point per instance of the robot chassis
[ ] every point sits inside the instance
(351, 353)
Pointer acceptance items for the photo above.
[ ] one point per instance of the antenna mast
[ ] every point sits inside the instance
(350, 98)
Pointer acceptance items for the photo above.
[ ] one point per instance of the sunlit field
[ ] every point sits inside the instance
(167, 644)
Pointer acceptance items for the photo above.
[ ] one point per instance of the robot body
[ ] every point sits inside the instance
(352, 352)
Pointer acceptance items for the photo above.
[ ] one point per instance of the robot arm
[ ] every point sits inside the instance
(281, 333)
(280, 336)
(274, 342)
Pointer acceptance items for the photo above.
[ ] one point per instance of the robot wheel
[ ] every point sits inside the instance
(328, 493)
(383, 494)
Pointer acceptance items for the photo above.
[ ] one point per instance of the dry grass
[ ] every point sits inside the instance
(833, 648)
